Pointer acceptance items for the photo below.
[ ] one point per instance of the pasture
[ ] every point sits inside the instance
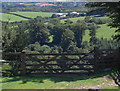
(73, 19)
(102, 81)
(14, 18)
(80, 18)
(34, 14)
(103, 32)
(10, 17)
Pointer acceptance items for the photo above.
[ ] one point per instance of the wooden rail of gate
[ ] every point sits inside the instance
(63, 63)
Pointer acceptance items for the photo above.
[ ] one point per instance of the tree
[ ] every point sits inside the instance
(107, 44)
(36, 47)
(22, 38)
(56, 49)
(8, 36)
(68, 21)
(57, 32)
(92, 28)
(55, 21)
(67, 39)
(15, 37)
(78, 21)
(54, 16)
(78, 30)
(113, 8)
(87, 19)
(39, 33)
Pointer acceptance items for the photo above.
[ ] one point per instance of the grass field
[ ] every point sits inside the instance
(105, 17)
(81, 18)
(34, 14)
(10, 17)
(13, 18)
(103, 32)
(102, 81)
(73, 19)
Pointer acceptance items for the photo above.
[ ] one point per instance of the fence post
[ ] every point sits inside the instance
(96, 55)
(23, 64)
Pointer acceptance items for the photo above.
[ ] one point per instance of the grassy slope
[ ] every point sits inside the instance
(81, 18)
(105, 32)
(105, 17)
(59, 82)
(13, 18)
(73, 19)
(34, 14)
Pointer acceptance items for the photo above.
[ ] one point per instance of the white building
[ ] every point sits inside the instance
(61, 15)
(72, 13)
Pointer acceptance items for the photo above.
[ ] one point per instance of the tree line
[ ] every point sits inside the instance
(51, 36)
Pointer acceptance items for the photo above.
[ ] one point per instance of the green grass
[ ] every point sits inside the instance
(59, 82)
(105, 17)
(34, 14)
(13, 18)
(81, 18)
(73, 19)
(103, 32)
(50, 39)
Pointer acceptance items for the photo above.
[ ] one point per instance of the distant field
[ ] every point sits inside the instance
(105, 17)
(34, 14)
(73, 19)
(81, 18)
(11, 18)
(103, 32)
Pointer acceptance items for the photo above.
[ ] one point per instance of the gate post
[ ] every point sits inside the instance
(96, 56)
(23, 64)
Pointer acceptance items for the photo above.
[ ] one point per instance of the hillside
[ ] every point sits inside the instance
(34, 14)
(103, 32)
(11, 18)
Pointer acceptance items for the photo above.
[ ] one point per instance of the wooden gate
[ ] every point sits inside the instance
(58, 63)
(24, 63)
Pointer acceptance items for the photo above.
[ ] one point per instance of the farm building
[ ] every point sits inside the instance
(72, 13)
(61, 15)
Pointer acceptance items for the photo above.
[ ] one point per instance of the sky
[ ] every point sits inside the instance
(59, 0)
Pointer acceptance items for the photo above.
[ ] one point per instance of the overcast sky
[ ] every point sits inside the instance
(58, 0)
